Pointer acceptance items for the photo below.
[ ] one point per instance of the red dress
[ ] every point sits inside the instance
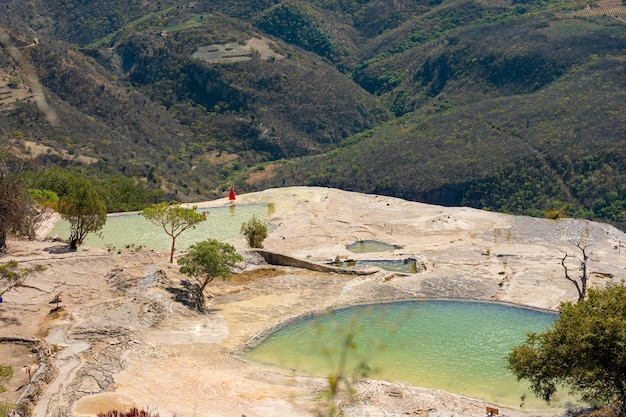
(231, 196)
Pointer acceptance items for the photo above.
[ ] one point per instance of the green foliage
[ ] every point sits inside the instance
(55, 180)
(296, 25)
(6, 373)
(84, 209)
(45, 198)
(83, 23)
(206, 261)
(119, 193)
(583, 350)
(255, 232)
(173, 218)
(11, 276)
(5, 409)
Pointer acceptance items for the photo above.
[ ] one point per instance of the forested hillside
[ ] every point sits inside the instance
(512, 105)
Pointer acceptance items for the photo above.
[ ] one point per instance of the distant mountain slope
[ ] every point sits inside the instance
(523, 116)
(437, 156)
(510, 105)
(144, 105)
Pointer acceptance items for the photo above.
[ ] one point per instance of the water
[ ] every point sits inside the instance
(408, 266)
(120, 230)
(368, 246)
(454, 346)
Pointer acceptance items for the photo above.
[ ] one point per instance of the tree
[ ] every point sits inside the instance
(255, 231)
(46, 202)
(54, 181)
(173, 218)
(126, 194)
(206, 261)
(14, 199)
(84, 209)
(11, 275)
(585, 350)
(579, 282)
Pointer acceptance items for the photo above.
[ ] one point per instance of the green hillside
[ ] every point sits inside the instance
(523, 116)
(513, 105)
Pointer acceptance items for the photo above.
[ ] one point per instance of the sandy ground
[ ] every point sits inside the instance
(122, 340)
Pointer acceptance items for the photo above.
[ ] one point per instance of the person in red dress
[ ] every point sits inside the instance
(231, 195)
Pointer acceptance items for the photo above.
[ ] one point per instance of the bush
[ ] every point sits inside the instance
(255, 231)
(5, 409)
(133, 412)
(6, 373)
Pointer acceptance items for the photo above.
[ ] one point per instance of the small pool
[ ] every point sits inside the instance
(120, 230)
(454, 346)
(368, 246)
(407, 266)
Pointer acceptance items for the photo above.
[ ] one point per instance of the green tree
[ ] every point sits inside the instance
(206, 261)
(14, 199)
(126, 194)
(59, 181)
(255, 232)
(118, 192)
(173, 218)
(584, 350)
(11, 275)
(84, 209)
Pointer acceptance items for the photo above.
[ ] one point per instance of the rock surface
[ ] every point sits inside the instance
(123, 340)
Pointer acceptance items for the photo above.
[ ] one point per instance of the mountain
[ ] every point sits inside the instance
(510, 105)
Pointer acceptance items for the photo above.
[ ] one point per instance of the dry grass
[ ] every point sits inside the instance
(133, 412)
(611, 8)
(267, 173)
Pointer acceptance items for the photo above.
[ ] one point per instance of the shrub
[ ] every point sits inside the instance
(255, 231)
(6, 373)
(6, 409)
(133, 412)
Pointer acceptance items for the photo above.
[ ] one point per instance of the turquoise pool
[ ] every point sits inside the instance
(454, 346)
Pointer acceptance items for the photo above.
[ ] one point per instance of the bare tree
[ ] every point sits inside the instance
(35, 215)
(582, 259)
(14, 198)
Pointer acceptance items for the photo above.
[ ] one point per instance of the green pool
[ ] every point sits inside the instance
(369, 246)
(222, 223)
(454, 346)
